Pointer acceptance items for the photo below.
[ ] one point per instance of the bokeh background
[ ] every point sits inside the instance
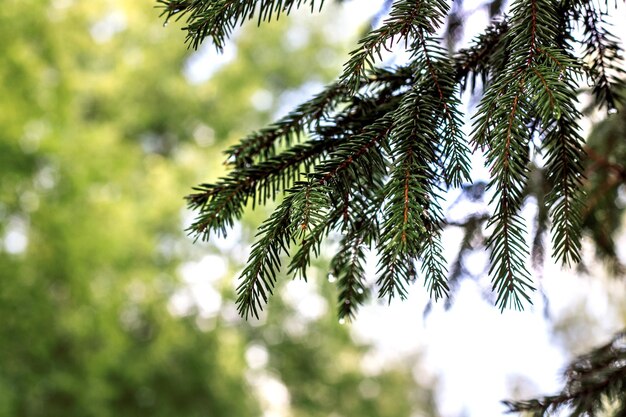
(107, 308)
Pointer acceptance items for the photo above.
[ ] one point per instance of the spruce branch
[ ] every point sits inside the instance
(507, 156)
(604, 55)
(259, 276)
(221, 203)
(407, 21)
(310, 245)
(481, 59)
(564, 172)
(433, 265)
(536, 90)
(410, 192)
(262, 145)
(361, 228)
(594, 384)
(216, 19)
(355, 159)
(373, 152)
(347, 269)
(454, 152)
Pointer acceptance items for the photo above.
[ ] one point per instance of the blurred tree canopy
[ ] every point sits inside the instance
(102, 128)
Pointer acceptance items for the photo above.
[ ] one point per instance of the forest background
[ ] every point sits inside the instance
(108, 309)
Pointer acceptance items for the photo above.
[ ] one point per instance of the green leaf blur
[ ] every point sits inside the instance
(100, 134)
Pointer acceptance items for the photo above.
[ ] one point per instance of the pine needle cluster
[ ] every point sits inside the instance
(373, 154)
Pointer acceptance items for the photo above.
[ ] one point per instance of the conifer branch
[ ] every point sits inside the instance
(565, 155)
(433, 265)
(216, 19)
(409, 196)
(263, 143)
(407, 20)
(259, 276)
(539, 91)
(310, 244)
(360, 229)
(454, 153)
(376, 148)
(222, 202)
(604, 52)
(479, 60)
(355, 159)
(594, 385)
(347, 268)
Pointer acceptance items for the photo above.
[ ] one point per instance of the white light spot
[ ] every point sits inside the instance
(205, 62)
(204, 135)
(46, 178)
(201, 278)
(305, 300)
(272, 393)
(262, 100)
(107, 27)
(297, 37)
(181, 303)
(256, 356)
(34, 132)
(15, 237)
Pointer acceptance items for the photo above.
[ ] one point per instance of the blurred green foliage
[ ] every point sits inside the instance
(100, 134)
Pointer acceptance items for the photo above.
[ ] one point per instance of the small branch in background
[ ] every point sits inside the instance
(594, 383)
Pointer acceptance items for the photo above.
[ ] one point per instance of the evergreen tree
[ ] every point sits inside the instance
(373, 154)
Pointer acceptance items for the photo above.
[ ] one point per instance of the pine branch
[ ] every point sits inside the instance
(216, 19)
(454, 154)
(312, 218)
(361, 229)
(407, 20)
(594, 383)
(310, 244)
(433, 265)
(221, 203)
(309, 205)
(507, 156)
(347, 267)
(536, 90)
(377, 147)
(478, 60)
(264, 142)
(409, 200)
(605, 53)
(555, 92)
(354, 160)
(565, 153)
(259, 276)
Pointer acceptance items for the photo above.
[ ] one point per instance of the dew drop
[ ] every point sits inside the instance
(165, 23)
(331, 277)
(359, 290)
(612, 110)
(347, 302)
(342, 321)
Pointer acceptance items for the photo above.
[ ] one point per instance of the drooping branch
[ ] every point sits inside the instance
(378, 148)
